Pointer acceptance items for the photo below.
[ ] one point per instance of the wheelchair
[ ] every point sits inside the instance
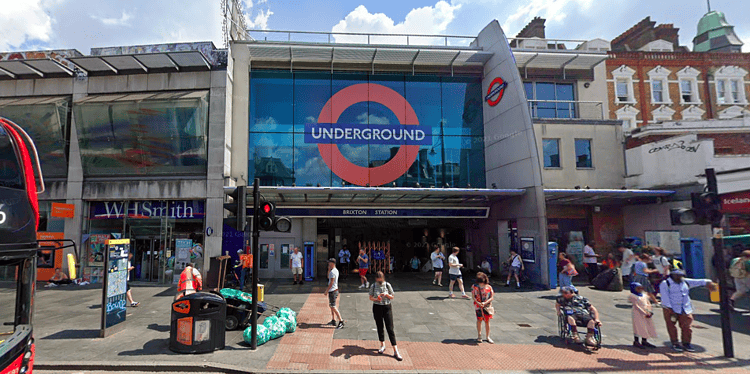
(566, 333)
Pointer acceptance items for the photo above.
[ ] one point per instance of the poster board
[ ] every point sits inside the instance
(114, 301)
(181, 258)
(528, 250)
(669, 240)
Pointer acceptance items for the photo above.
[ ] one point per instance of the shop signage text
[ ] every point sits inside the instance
(736, 202)
(382, 212)
(179, 209)
(340, 133)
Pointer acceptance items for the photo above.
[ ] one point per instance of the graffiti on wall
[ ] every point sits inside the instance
(60, 56)
(208, 49)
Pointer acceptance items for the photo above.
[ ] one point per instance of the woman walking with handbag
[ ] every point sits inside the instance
(381, 294)
(483, 294)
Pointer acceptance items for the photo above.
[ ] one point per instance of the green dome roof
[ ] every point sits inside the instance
(711, 21)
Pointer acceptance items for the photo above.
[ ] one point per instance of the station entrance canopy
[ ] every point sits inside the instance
(380, 202)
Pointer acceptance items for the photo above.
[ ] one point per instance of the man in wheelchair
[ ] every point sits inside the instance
(578, 311)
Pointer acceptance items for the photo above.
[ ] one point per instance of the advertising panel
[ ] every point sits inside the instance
(115, 284)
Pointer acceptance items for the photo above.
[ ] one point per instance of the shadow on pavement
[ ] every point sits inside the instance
(352, 350)
(159, 328)
(623, 306)
(552, 340)
(304, 326)
(169, 292)
(74, 334)
(740, 323)
(150, 348)
(95, 306)
(460, 341)
(672, 362)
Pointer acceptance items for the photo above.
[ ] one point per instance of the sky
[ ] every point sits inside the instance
(85, 24)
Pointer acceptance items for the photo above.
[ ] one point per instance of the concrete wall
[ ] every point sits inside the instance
(511, 156)
(607, 154)
(596, 91)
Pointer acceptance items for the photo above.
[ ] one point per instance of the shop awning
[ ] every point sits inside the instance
(33, 67)
(558, 59)
(385, 196)
(366, 54)
(602, 196)
(143, 62)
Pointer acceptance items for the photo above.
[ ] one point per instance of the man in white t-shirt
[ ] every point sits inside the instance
(628, 260)
(454, 272)
(333, 293)
(590, 261)
(437, 265)
(515, 268)
(296, 263)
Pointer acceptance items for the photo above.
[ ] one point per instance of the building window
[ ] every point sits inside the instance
(583, 154)
(688, 78)
(623, 80)
(657, 89)
(730, 85)
(659, 85)
(551, 149)
(662, 113)
(628, 115)
(550, 99)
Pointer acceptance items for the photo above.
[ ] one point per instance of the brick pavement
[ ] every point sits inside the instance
(314, 347)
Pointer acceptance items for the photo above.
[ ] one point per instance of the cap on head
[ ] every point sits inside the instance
(331, 260)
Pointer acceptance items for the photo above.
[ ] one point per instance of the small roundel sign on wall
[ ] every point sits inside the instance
(495, 91)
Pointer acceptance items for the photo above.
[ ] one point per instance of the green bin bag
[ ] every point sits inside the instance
(264, 334)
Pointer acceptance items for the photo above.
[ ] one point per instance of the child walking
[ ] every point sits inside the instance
(643, 324)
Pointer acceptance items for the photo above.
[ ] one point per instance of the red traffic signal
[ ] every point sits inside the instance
(267, 216)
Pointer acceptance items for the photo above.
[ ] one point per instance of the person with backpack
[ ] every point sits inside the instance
(739, 269)
(516, 267)
(678, 308)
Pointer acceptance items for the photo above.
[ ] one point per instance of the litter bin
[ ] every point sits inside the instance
(198, 323)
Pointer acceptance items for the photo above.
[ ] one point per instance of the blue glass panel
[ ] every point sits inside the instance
(271, 102)
(551, 150)
(311, 92)
(583, 153)
(271, 158)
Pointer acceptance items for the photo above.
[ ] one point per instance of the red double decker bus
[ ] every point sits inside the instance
(19, 218)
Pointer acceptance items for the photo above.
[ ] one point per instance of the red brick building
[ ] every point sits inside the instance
(651, 79)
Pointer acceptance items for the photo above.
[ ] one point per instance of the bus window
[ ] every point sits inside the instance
(10, 175)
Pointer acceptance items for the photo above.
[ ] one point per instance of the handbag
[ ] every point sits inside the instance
(489, 310)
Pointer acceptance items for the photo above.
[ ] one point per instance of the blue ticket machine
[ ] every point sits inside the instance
(552, 261)
(309, 253)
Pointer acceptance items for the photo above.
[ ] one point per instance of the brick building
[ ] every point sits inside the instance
(651, 79)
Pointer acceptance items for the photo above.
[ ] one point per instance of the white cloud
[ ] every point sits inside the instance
(427, 20)
(122, 21)
(23, 21)
(372, 119)
(552, 10)
(260, 21)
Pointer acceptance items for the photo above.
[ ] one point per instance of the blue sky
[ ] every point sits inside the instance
(83, 24)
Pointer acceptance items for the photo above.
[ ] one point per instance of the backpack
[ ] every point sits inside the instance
(738, 270)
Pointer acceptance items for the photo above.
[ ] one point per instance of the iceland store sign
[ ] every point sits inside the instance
(328, 134)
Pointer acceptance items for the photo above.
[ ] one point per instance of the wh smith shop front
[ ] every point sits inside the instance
(391, 148)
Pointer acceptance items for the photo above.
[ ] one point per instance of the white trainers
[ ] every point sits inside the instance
(368, 285)
(361, 286)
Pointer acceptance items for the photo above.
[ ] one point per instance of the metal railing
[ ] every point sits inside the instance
(552, 44)
(566, 109)
(360, 38)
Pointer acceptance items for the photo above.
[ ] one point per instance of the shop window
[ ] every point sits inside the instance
(551, 150)
(47, 124)
(161, 134)
(583, 154)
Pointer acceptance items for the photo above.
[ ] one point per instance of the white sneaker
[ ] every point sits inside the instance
(368, 285)
(361, 286)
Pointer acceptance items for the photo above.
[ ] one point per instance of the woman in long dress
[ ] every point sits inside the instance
(643, 324)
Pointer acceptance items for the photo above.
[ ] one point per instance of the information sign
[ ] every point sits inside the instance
(115, 284)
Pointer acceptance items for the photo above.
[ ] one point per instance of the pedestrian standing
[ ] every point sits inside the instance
(128, 293)
(591, 261)
(333, 294)
(483, 295)
(567, 271)
(381, 295)
(677, 307)
(739, 269)
(344, 259)
(437, 265)
(414, 264)
(455, 274)
(246, 261)
(643, 323)
(641, 273)
(297, 264)
(364, 264)
(628, 260)
(516, 267)
(190, 281)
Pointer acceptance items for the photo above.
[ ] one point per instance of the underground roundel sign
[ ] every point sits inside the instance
(329, 134)
(495, 91)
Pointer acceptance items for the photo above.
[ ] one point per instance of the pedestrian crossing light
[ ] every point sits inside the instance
(267, 220)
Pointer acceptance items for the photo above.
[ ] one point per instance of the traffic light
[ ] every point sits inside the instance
(707, 207)
(705, 210)
(238, 208)
(267, 220)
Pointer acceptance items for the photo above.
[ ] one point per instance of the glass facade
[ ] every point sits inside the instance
(47, 123)
(544, 99)
(285, 109)
(156, 136)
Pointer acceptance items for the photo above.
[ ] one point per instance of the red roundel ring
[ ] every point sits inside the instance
(495, 101)
(340, 165)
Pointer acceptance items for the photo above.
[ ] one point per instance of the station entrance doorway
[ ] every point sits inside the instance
(393, 242)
